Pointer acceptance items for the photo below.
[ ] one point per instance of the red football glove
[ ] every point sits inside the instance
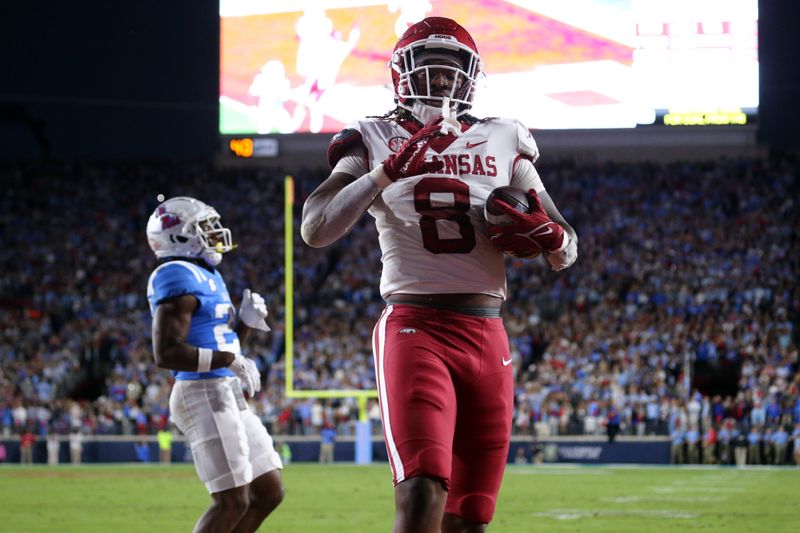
(409, 160)
(514, 245)
(528, 233)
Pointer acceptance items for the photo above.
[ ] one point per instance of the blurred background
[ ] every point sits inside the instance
(678, 327)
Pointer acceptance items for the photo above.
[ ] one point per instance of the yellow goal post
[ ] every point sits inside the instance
(361, 395)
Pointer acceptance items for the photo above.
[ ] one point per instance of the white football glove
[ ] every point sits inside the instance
(563, 258)
(253, 311)
(247, 372)
(450, 123)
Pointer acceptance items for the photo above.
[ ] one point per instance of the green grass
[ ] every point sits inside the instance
(348, 499)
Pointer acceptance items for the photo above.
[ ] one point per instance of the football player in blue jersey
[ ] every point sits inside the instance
(197, 334)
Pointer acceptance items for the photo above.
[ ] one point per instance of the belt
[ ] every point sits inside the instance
(475, 304)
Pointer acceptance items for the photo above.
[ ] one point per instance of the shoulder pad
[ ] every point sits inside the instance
(176, 278)
(526, 146)
(341, 143)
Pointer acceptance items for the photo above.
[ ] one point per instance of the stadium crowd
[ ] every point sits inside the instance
(686, 270)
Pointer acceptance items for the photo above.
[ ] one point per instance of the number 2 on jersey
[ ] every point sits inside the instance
(455, 212)
(220, 330)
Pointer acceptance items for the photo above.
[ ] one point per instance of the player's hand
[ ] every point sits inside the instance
(563, 258)
(450, 124)
(409, 160)
(253, 311)
(529, 229)
(247, 372)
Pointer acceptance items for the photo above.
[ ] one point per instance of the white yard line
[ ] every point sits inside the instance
(577, 514)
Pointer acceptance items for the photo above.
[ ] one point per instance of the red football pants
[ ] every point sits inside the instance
(446, 392)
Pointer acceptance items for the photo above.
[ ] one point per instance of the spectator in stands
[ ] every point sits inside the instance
(754, 439)
(327, 436)
(693, 444)
(53, 448)
(374, 416)
(796, 444)
(522, 418)
(76, 446)
(537, 452)
(724, 438)
(613, 424)
(521, 456)
(780, 441)
(677, 445)
(709, 444)
(26, 442)
(767, 446)
(651, 415)
(740, 448)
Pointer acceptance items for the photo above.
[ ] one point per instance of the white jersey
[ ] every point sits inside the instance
(431, 227)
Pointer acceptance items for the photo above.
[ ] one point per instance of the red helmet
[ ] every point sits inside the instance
(439, 37)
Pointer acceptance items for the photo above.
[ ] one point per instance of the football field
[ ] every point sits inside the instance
(344, 498)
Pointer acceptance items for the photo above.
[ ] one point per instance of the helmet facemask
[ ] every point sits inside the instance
(216, 239)
(418, 69)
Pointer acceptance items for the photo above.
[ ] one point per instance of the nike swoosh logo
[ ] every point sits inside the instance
(506, 362)
(547, 232)
(540, 231)
(473, 145)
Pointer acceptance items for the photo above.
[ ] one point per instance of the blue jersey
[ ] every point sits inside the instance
(212, 322)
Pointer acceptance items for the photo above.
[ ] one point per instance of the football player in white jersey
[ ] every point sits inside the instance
(424, 171)
(197, 335)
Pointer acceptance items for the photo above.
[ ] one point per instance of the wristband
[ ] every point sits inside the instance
(378, 176)
(564, 243)
(204, 359)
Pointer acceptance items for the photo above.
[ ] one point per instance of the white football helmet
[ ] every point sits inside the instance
(186, 227)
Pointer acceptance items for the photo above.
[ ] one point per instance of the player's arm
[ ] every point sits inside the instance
(171, 323)
(553, 212)
(566, 255)
(339, 202)
(336, 205)
(526, 177)
(242, 331)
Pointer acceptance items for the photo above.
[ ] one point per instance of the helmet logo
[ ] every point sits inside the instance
(441, 36)
(168, 220)
(395, 142)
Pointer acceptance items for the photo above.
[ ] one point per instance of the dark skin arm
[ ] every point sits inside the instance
(170, 328)
(243, 331)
